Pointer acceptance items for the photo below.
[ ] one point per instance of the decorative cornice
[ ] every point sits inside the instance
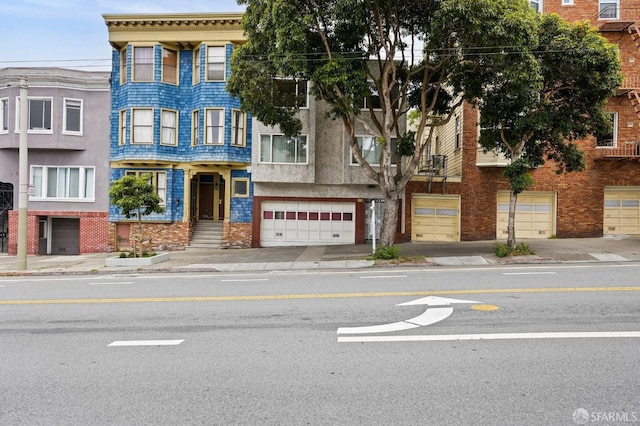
(164, 22)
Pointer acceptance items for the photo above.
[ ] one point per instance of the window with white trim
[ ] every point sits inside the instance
(72, 120)
(156, 178)
(216, 59)
(292, 93)
(214, 132)
(196, 66)
(142, 123)
(63, 183)
(237, 127)
(142, 63)
(609, 9)
(169, 66)
(4, 115)
(371, 150)
(536, 5)
(169, 127)
(282, 149)
(40, 115)
(195, 127)
(458, 130)
(610, 138)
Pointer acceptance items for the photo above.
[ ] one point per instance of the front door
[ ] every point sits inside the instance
(211, 197)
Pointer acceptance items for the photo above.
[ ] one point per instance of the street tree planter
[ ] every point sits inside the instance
(137, 261)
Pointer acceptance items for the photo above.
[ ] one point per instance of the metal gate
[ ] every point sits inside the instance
(6, 204)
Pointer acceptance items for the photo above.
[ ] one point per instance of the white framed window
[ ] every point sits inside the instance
(371, 150)
(123, 66)
(4, 115)
(240, 187)
(142, 63)
(292, 93)
(238, 135)
(195, 127)
(122, 127)
(373, 100)
(281, 149)
(169, 127)
(214, 132)
(609, 9)
(63, 183)
(40, 115)
(169, 66)
(216, 61)
(536, 5)
(142, 123)
(458, 130)
(156, 178)
(72, 120)
(196, 66)
(609, 139)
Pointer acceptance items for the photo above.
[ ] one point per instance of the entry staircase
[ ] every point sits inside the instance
(206, 234)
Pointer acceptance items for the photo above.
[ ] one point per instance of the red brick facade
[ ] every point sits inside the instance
(94, 230)
(580, 196)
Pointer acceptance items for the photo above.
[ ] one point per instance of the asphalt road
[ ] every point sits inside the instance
(526, 346)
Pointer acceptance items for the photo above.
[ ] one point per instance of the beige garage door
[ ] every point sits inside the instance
(435, 218)
(621, 211)
(535, 214)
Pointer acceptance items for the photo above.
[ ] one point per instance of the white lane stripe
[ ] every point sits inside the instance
(384, 276)
(245, 280)
(496, 336)
(146, 342)
(120, 283)
(528, 273)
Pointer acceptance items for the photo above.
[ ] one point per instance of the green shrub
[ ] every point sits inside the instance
(387, 252)
(123, 254)
(501, 250)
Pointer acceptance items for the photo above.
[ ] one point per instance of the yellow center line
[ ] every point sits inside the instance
(315, 296)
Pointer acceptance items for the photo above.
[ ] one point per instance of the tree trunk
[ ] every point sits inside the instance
(389, 221)
(511, 225)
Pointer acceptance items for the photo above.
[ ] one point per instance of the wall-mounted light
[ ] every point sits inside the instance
(177, 201)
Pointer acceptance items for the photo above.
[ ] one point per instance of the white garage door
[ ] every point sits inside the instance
(535, 214)
(291, 223)
(435, 218)
(621, 211)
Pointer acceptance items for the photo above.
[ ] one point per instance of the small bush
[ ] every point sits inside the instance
(501, 250)
(387, 252)
(123, 254)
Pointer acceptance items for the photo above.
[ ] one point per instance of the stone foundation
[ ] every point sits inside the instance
(236, 235)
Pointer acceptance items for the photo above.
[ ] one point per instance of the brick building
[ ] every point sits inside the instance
(468, 198)
(68, 144)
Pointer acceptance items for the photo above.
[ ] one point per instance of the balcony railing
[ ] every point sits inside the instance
(631, 82)
(630, 149)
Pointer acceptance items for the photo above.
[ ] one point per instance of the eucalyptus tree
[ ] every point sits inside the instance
(428, 55)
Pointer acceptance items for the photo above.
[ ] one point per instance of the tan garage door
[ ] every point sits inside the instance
(621, 211)
(435, 218)
(535, 214)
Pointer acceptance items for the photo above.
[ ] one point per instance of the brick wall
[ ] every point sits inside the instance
(237, 235)
(164, 236)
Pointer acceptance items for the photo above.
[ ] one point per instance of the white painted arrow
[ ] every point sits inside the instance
(439, 309)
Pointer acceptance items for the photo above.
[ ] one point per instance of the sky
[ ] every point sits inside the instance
(72, 33)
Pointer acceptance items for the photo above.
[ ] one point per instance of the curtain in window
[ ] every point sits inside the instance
(37, 181)
(169, 66)
(169, 127)
(143, 63)
(142, 126)
(89, 185)
(214, 126)
(215, 63)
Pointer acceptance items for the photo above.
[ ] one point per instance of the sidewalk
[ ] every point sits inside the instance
(606, 249)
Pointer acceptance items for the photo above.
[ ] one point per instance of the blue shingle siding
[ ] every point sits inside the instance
(241, 207)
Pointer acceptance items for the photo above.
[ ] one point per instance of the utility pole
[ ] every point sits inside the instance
(23, 176)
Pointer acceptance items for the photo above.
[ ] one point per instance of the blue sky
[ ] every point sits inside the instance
(72, 33)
